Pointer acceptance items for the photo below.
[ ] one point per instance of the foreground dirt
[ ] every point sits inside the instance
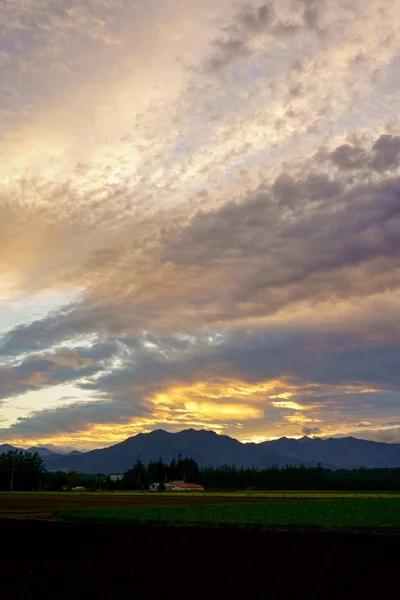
(45, 559)
(46, 504)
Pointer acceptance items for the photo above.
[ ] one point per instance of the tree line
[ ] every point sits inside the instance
(230, 477)
(24, 471)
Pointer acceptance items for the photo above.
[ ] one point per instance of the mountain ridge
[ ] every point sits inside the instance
(209, 448)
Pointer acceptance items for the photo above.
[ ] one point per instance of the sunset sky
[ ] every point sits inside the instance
(199, 219)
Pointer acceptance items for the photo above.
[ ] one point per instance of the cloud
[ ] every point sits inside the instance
(385, 155)
(268, 379)
(70, 360)
(217, 188)
(41, 371)
(302, 238)
(310, 430)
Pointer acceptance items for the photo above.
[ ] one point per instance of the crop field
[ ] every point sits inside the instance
(211, 546)
(380, 514)
(322, 511)
(44, 505)
(36, 505)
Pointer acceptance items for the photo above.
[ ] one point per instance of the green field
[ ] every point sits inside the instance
(363, 515)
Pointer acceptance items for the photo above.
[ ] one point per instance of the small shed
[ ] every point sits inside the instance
(154, 487)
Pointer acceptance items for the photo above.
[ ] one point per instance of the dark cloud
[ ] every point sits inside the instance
(384, 155)
(348, 157)
(234, 42)
(78, 416)
(39, 371)
(258, 19)
(310, 430)
(228, 51)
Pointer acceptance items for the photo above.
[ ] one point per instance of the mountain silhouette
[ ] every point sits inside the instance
(205, 447)
(346, 453)
(7, 448)
(208, 448)
(41, 450)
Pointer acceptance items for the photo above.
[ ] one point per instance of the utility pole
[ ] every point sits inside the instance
(12, 479)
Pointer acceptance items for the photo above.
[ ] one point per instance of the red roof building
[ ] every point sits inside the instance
(182, 485)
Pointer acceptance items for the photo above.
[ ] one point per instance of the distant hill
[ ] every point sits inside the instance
(41, 450)
(346, 452)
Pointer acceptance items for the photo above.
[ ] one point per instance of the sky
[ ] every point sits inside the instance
(199, 219)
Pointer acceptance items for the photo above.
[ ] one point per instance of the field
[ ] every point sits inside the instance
(380, 515)
(37, 505)
(367, 512)
(50, 560)
(124, 556)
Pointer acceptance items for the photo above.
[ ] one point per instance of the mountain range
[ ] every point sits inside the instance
(209, 448)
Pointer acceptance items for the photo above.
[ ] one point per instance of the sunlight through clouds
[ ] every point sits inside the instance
(199, 218)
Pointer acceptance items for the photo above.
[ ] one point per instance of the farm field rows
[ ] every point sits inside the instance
(268, 510)
(44, 505)
(381, 515)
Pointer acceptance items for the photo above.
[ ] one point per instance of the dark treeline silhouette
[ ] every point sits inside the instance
(21, 471)
(229, 477)
(299, 478)
(24, 471)
(138, 477)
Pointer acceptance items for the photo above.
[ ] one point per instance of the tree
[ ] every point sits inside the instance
(186, 470)
(156, 471)
(21, 471)
(136, 477)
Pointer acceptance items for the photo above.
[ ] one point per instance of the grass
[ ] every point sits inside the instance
(370, 515)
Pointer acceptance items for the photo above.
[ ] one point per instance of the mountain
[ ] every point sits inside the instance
(41, 450)
(6, 448)
(205, 447)
(345, 453)
(209, 448)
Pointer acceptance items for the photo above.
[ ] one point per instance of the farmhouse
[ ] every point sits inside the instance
(178, 486)
(188, 487)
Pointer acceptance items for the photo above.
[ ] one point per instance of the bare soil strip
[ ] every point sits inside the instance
(46, 504)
